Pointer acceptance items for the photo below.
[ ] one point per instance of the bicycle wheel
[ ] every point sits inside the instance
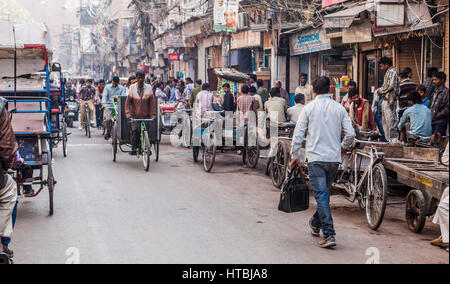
(51, 186)
(64, 140)
(156, 146)
(377, 199)
(87, 124)
(209, 154)
(114, 143)
(146, 152)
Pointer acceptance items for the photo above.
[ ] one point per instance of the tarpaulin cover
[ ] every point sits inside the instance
(17, 37)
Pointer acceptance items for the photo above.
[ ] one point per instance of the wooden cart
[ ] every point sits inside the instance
(421, 170)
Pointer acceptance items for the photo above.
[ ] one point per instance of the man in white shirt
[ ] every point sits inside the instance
(294, 112)
(322, 122)
(305, 89)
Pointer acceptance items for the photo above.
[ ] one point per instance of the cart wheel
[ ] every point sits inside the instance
(114, 144)
(252, 153)
(51, 186)
(209, 154)
(377, 200)
(64, 140)
(156, 146)
(147, 152)
(196, 153)
(279, 165)
(187, 132)
(416, 211)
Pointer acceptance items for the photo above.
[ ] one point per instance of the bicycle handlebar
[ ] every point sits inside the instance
(370, 142)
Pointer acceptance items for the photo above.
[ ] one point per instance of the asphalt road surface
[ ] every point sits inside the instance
(109, 212)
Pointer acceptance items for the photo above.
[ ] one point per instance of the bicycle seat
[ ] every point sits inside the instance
(286, 125)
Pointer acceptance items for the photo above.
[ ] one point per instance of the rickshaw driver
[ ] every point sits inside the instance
(140, 104)
(9, 158)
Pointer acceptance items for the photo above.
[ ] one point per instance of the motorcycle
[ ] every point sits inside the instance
(71, 112)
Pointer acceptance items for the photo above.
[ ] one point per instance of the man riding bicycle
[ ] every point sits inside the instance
(87, 95)
(111, 91)
(140, 104)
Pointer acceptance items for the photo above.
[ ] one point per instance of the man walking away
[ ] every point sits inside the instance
(390, 91)
(304, 88)
(8, 188)
(322, 123)
(98, 103)
(439, 104)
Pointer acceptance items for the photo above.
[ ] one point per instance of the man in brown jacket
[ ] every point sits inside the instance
(8, 189)
(140, 104)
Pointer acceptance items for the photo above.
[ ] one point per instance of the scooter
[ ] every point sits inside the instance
(71, 111)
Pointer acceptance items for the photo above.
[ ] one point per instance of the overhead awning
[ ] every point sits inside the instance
(418, 18)
(345, 18)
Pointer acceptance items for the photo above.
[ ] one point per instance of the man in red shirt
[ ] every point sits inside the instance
(361, 111)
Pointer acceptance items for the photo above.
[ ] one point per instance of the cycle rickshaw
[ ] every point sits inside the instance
(29, 104)
(213, 135)
(150, 134)
(58, 106)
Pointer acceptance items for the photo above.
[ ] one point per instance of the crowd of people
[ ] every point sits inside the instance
(400, 108)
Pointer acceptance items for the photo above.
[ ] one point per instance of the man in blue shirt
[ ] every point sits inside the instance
(111, 91)
(322, 122)
(418, 115)
(173, 91)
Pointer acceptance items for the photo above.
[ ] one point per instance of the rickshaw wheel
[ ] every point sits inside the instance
(64, 140)
(209, 154)
(252, 153)
(416, 211)
(146, 152)
(51, 186)
(156, 146)
(196, 153)
(114, 144)
(279, 165)
(376, 202)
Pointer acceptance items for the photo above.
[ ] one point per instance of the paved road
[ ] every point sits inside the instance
(117, 213)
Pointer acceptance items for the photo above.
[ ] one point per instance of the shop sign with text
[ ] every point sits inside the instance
(309, 41)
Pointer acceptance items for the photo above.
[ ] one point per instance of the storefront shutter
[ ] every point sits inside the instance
(409, 55)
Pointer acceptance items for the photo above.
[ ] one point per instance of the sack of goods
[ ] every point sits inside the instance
(295, 193)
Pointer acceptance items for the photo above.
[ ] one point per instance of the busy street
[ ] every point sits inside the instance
(117, 213)
(234, 132)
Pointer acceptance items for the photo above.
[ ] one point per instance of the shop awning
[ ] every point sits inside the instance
(345, 18)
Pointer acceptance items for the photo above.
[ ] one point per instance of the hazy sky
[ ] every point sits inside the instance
(53, 14)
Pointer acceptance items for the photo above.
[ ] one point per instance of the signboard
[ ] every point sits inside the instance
(174, 57)
(226, 15)
(245, 40)
(309, 41)
(173, 40)
(326, 3)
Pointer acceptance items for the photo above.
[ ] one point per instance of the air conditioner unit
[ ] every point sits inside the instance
(244, 21)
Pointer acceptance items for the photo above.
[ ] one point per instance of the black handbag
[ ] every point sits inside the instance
(295, 193)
